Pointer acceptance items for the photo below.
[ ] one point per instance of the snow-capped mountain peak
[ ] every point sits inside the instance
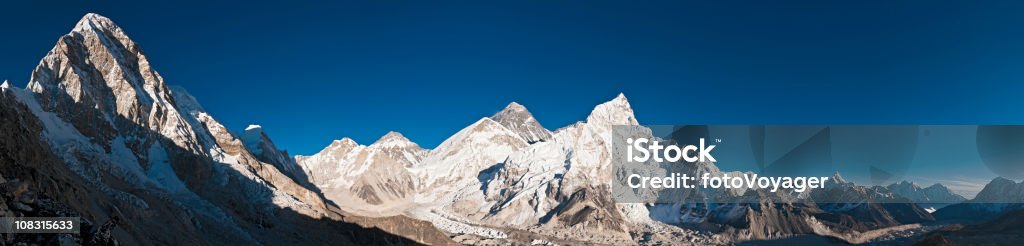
(549, 178)
(343, 142)
(1001, 190)
(614, 112)
(999, 195)
(514, 106)
(394, 139)
(938, 186)
(397, 148)
(936, 196)
(515, 117)
(483, 125)
(838, 178)
(329, 164)
(460, 158)
(93, 21)
(337, 149)
(359, 176)
(97, 68)
(122, 137)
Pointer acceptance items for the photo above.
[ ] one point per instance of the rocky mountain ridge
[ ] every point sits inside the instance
(999, 196)
(490, 179)
(121, 145)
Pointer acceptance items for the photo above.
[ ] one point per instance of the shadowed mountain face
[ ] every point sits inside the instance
(98, 134)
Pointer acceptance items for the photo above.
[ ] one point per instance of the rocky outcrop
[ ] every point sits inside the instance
(515, 117)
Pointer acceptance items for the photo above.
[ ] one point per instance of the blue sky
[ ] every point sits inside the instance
(315, 71)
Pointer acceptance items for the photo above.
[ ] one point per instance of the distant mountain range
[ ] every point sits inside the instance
(999, 196)
(98, 134)
(932, 198)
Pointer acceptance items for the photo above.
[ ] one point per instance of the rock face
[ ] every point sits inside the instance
(515, 117)
(99, 132)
